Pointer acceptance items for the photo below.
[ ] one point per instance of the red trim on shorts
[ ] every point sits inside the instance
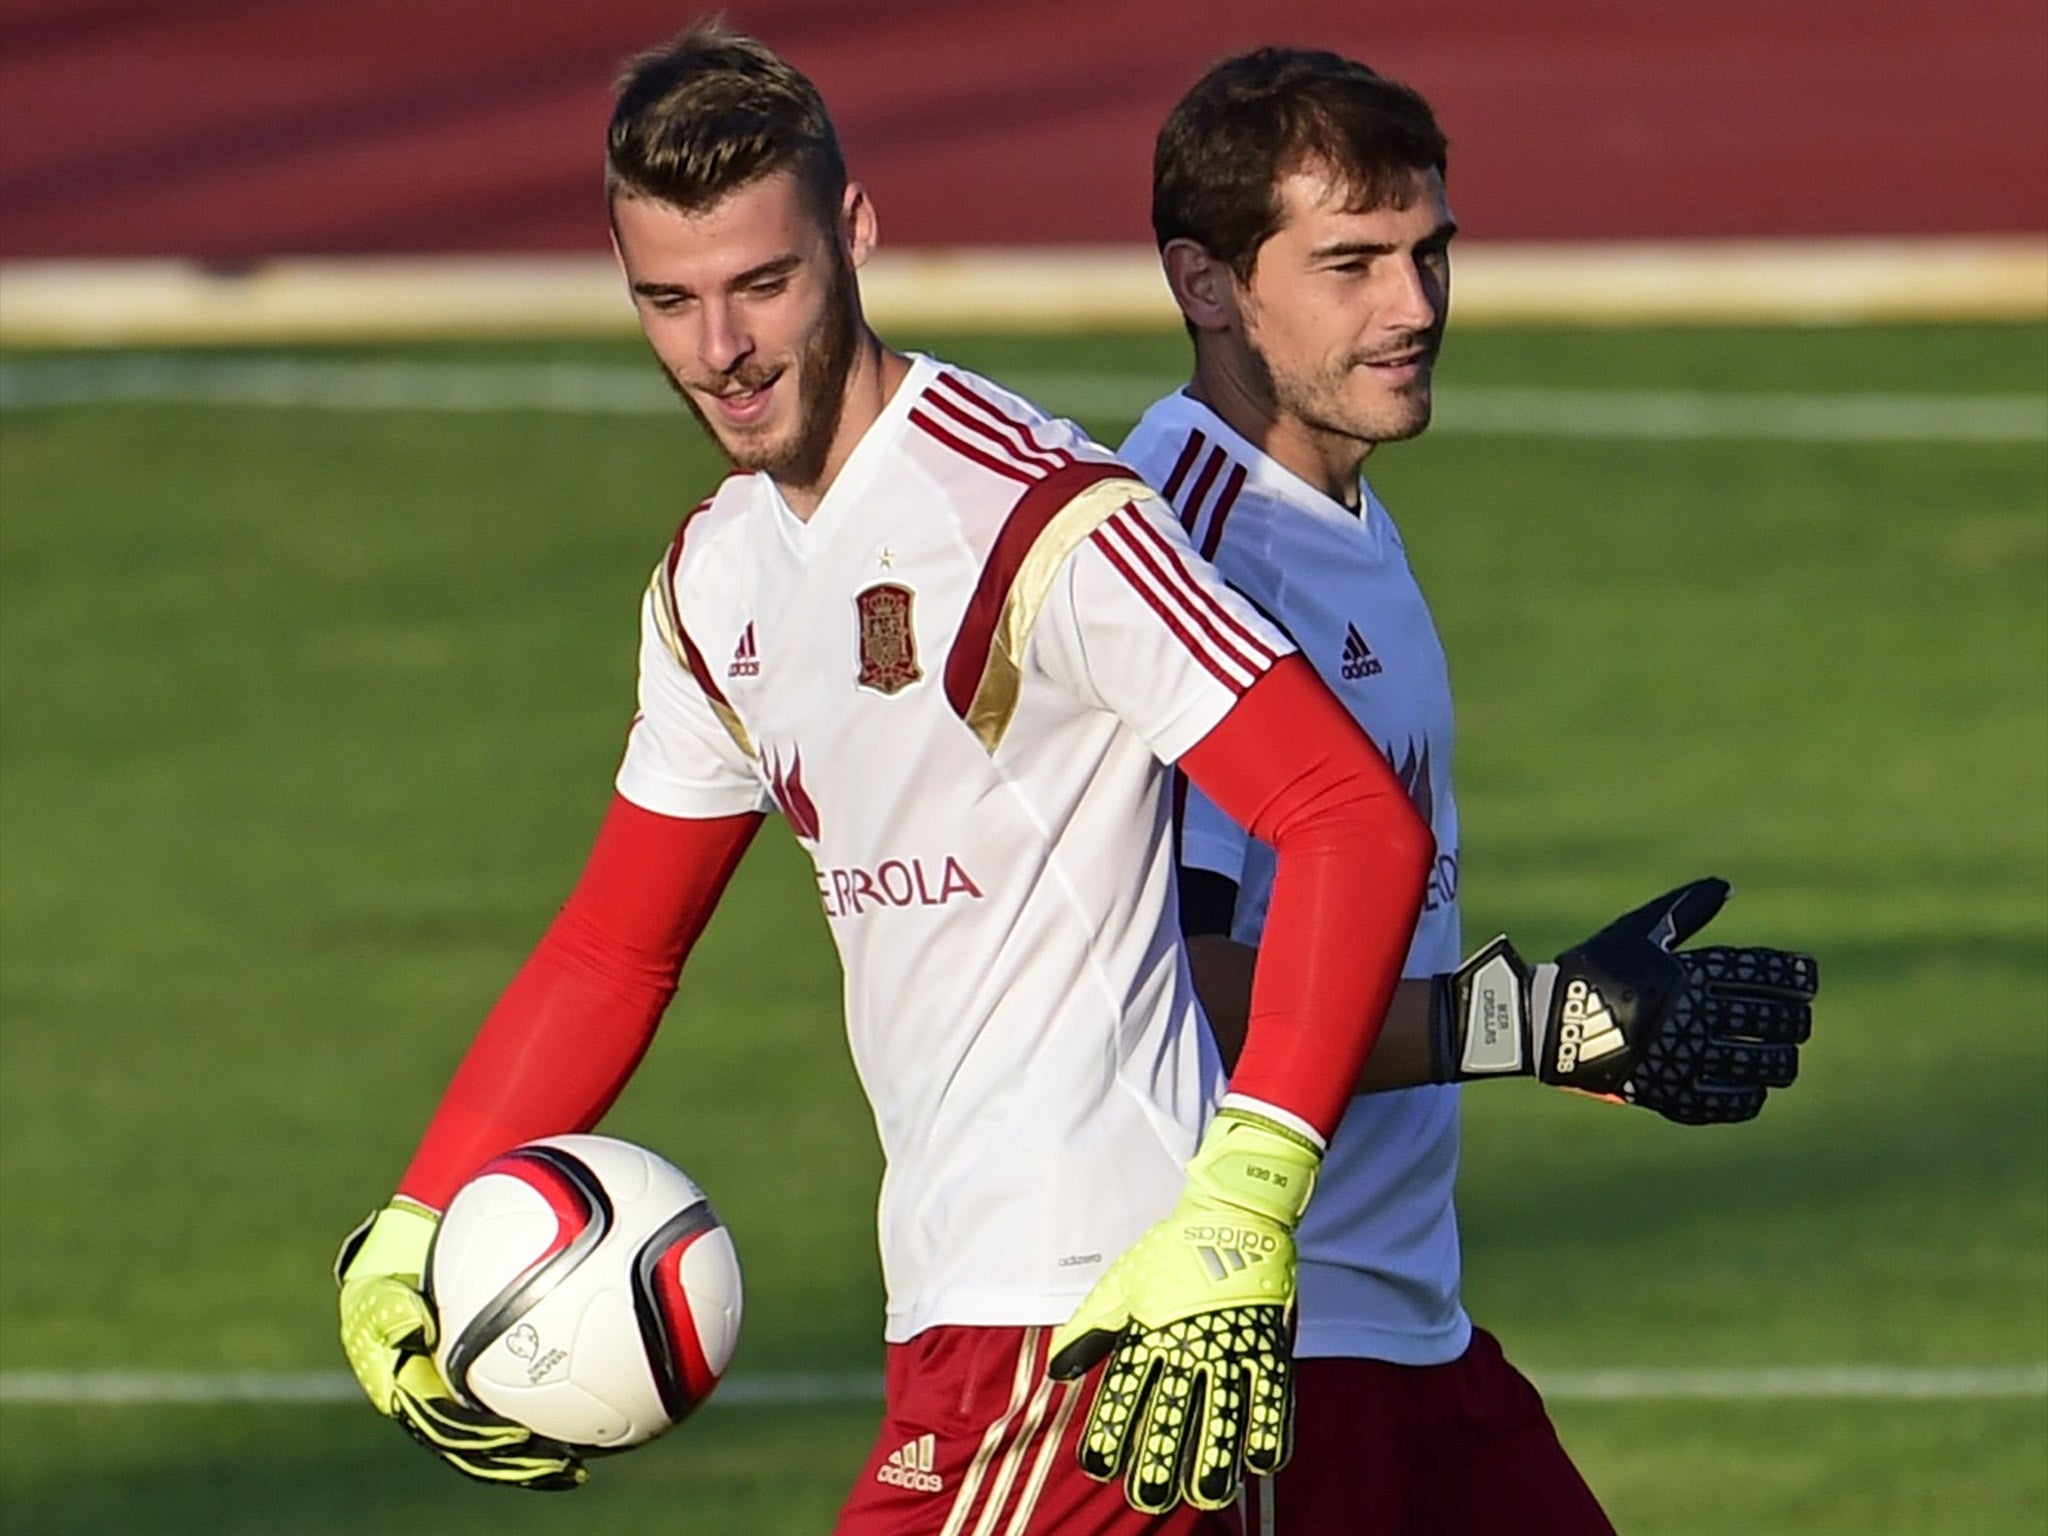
(977, 1441)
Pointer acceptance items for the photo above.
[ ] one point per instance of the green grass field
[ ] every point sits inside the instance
(309, 716)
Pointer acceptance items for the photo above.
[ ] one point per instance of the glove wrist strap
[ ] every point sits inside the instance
(394, 1241)
(1255, 1164)
(1487, 1019)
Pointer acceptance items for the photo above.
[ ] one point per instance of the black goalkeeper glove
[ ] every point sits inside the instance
(1698, 1035)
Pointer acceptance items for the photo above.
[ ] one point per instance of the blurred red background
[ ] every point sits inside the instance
(236, 129)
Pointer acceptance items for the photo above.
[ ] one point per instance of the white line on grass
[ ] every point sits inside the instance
(615, 390)
(140, 1389)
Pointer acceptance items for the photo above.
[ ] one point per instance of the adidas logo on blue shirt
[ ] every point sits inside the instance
(1359, 660)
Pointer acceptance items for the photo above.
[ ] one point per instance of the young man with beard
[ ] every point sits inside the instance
(957, 645)
(1301, 216)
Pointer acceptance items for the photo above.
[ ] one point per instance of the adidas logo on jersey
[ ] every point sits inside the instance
(910, 1466)
(1359, 660)
(1586, 1031)
(744, 662)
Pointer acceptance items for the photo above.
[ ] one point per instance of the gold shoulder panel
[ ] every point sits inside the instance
(995, 698)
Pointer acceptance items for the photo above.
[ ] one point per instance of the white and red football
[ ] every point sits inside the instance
(586, 1289)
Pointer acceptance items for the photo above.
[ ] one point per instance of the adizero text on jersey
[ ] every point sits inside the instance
(963, 675)
(1379, 1243)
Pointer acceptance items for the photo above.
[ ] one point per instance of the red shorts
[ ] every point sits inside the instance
(976, 1441)
(1463, 1449)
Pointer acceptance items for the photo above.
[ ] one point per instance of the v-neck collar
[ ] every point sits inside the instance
(1264, 467)
(855, 475)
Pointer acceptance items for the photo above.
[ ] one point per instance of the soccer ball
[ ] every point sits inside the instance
(585, 1289)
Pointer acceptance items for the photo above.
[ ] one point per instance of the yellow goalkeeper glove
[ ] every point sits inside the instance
(388, 1332)
(1194, 1317)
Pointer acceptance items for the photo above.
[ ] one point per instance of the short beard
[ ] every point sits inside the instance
(1315, 401)
(822, 369)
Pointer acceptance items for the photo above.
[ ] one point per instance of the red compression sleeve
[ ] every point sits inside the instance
(574, 1023)
(1293, 769)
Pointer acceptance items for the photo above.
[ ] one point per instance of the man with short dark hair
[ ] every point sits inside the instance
(957, 645)
(1301, 215)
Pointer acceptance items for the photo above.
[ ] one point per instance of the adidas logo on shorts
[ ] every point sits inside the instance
(910, 1466)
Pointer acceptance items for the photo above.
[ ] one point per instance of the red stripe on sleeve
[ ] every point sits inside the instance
(998, 422)
(1201, 596)
(1225, 500)
(920, 418)
(1000, 443)
(1211, 467)
(692, 657)
(1174, 623)
(1182, 465)
(1037, 507)
(698, 669)
(675, 545)
(1229, 638)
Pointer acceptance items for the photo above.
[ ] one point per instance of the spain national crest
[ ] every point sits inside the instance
(888, 640)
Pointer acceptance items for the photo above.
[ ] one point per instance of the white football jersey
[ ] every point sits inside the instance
(959, 681)
(1379, 1243)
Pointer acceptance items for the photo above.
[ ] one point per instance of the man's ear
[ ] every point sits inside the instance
(858, 225)
(1204, 287)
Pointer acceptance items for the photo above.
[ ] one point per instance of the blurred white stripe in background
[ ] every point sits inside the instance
(172, 302)
(315, 383)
